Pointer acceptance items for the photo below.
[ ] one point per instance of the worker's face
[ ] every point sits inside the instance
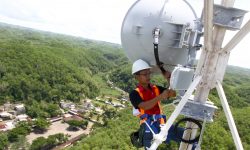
(144, 76)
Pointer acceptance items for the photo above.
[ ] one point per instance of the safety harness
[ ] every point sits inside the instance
(143, 116)
(137, 137)
(150, 119)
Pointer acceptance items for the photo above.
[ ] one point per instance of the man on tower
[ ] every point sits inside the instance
(146, 102)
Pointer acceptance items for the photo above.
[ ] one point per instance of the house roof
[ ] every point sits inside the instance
(67, 115)
(5, 114)
(2, 126)
(23, 116)
(19, 106)
(75, 117)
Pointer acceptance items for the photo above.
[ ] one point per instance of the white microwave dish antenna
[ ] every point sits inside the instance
(176, 30)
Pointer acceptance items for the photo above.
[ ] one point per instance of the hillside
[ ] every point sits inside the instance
(46, 66)
(217, 135)
(38, 67)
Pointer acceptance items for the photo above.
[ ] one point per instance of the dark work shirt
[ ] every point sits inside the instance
(136, 99)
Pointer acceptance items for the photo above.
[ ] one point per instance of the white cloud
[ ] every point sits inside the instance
(94, 19)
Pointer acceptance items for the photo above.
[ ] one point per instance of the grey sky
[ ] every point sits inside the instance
(94, 19)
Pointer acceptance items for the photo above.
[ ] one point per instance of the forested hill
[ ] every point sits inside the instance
(217, 136)
(47, 66)
(40, 66)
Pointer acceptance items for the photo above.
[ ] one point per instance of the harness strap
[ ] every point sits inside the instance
(143, 117)
(152, 118)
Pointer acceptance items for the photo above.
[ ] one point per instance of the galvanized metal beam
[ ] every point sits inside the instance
(229, 116)
(208, 48)
(237, 38)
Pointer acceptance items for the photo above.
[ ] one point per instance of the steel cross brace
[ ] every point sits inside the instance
(160, 137)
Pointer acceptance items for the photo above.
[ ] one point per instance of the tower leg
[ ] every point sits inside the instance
(229, 116)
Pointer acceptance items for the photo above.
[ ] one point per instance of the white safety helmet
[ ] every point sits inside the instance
(139, 65)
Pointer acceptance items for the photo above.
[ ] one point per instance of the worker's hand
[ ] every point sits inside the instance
(167, 93)
(164, 95)
(167, 75)
(171, 93)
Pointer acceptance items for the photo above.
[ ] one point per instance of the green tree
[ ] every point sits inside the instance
(42, 109)
(24, 126)
(57, 139)
(3, 141)
(21, 129)
(53, 109)
(74, 124)
(13, 135)
(42, 143)
(38, 143)
(41, 125)
(110, 113)
(21, 143)
(110, 100)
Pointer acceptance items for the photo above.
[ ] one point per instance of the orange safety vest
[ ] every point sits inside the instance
(142, 111)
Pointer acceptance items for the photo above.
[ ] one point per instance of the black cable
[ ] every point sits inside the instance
(159, 64)
(190, 141)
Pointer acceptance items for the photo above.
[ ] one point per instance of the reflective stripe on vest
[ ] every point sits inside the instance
(142, 111)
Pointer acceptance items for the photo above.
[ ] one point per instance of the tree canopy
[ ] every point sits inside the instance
(42, 68)
(39, 66)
